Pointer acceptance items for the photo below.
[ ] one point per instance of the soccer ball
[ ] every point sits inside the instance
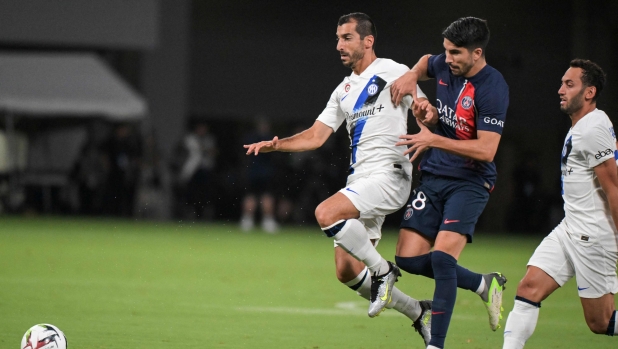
(44, 336)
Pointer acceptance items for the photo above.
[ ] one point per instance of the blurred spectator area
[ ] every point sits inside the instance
(224, 62)
(48, 102)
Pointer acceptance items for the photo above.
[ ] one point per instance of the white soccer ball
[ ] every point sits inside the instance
(44, 336)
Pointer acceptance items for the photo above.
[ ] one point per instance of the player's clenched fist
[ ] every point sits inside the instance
(404, 85)
(263, 146)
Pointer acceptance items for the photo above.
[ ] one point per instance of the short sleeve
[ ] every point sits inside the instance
(407, 100)
(433, 64)
(599, 144)
(420, 93)
(332, 116)
(492, 103)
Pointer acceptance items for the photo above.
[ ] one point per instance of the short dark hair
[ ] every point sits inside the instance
(468, 32)
(592, 75)
(364, 24)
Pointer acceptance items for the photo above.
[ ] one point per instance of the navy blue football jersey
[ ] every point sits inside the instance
(465, 106)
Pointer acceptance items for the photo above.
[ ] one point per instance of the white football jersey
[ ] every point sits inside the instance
(589, 143)
(374, 123)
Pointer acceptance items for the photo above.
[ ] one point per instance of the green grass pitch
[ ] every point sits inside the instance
(126, 284)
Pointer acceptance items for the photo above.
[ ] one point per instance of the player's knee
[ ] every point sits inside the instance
(529, 290)
(324, 216)
(419, 265)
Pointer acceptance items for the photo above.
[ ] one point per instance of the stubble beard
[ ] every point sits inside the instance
(355, 57)
(575, 104)
(463, 69)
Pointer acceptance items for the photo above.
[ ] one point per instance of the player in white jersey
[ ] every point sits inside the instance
(380, 175)
(584, 243)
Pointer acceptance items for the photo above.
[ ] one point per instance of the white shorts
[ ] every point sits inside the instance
(377, 195)
(563, 255)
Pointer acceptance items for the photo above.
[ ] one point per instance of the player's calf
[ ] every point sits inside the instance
(612, 326)
(520, 323)
(602, 319)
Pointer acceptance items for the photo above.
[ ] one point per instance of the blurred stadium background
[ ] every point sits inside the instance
(98, 99)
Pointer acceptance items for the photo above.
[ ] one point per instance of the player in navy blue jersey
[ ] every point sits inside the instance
(457, 169)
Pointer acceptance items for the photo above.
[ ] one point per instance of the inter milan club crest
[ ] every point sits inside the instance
(409, 213)
(466, 102)
(372, 89)
(347, 88)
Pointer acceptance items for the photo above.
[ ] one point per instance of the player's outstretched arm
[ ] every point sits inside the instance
(406, 84)
(607, 175)
(483, 148)
(309, 139)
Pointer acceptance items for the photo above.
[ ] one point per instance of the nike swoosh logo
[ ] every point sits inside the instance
(442, 83)
(385, 297)
(449, 221)
(437, 312)
(344, 97)
(348, 189)
(582, 288)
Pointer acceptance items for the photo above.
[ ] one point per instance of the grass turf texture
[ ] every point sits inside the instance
(124, 284)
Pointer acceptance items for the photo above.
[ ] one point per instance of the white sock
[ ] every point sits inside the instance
(432, 347)
(364, 290)
(520, 325)
(401, 302)
(354, 239)
(405, 304)
(482, 286)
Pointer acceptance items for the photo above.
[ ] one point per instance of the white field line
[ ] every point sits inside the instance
(342, 308)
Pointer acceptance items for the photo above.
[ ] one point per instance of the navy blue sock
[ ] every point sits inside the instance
(467, 279)
(445, 272)
(421, 265)
(612, 325)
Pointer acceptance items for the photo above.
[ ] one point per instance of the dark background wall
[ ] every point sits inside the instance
(111, 23)
(279, 59)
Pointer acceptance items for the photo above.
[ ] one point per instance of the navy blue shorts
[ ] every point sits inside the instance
(444, 203)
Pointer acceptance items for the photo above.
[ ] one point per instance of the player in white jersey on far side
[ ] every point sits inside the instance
(380, 175)
(584, 244)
